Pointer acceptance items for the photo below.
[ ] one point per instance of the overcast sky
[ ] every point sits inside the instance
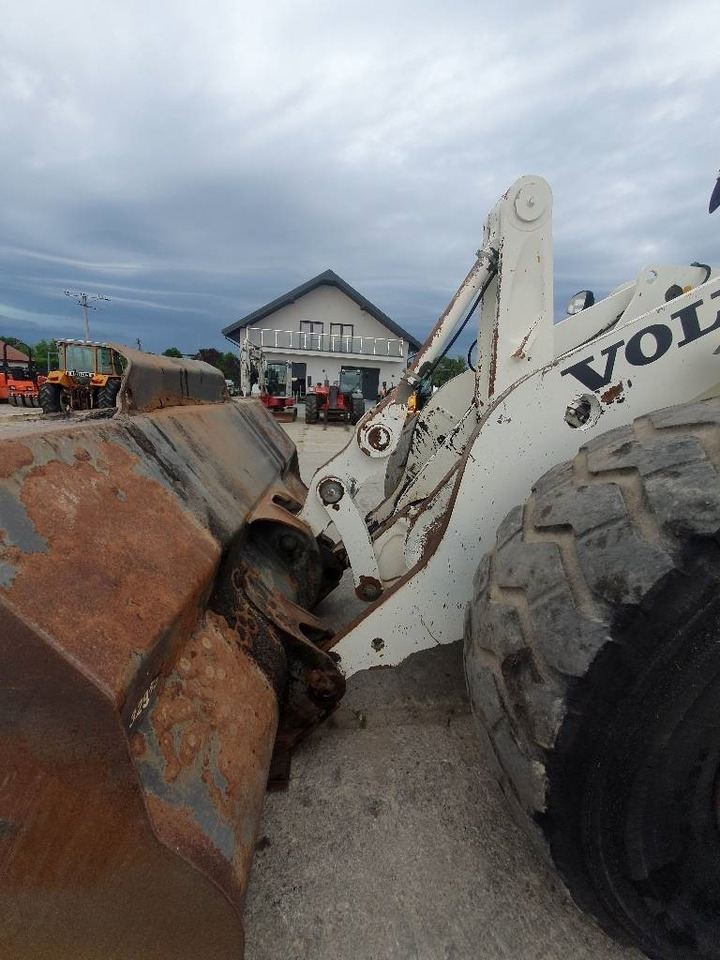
(193, 160)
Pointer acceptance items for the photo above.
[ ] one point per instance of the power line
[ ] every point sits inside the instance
(85, 300)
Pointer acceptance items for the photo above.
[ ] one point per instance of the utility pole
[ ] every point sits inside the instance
(85, 302)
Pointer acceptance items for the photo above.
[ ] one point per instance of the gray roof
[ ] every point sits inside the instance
(331, 279)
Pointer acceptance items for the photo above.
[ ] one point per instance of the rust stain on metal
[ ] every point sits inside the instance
(83, 872)
(492, 367)
(213, 723)
(612, 394)
(378, 437)
(130, 560)
(369, 588)
(520, 352)
(286, 641)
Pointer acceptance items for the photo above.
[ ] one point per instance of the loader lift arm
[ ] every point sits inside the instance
(515, 415)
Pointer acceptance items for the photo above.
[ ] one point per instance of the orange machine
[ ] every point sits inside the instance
(89, 377)
(18, 379)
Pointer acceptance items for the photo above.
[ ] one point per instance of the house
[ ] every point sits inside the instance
(11, 354)
(323, 326)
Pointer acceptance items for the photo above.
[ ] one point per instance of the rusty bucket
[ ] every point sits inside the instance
(157, 659)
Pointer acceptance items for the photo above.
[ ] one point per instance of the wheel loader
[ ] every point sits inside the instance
(88, 378)
(559, 507)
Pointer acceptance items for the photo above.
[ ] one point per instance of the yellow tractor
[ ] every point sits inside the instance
(88, 378)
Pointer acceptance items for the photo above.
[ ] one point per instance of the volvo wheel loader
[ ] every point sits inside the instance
(559, 507)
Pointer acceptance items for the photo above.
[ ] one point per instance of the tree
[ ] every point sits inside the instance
(44, 352)
(231, 366)
(228, 362)
(171, 352)
(45, 355)
(210, 355)
(446, 369)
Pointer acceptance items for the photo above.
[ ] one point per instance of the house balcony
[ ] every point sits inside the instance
(322, 344)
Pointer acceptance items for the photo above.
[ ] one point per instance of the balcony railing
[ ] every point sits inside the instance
(326, 343)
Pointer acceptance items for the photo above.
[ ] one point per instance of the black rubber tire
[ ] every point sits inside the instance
(49, 397)
(357, 409)
(311, 408)
(107, 396)
(13, 400)
(592, 656)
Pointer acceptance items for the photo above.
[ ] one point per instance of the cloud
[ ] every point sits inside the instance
(193, 162)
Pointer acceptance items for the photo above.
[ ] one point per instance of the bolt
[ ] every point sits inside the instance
(330, 490)
(578, 413)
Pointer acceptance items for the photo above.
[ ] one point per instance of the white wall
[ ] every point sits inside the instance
(326, 305)
(329, 366)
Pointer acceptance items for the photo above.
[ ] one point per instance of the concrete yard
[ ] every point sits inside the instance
(392, 841)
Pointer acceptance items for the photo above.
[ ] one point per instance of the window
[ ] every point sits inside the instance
(80, 358)
(341, 337)
(312, 326)
(311, 334)
(341, 330)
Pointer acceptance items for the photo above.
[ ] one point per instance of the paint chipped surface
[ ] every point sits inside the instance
(109, 570)
(138, 726)
(205, 752)
(612, 393)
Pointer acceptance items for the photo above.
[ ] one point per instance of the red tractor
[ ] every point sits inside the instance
(339, 401)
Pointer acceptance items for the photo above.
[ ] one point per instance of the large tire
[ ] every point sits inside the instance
(357, 409)
(107, 396)
(592, 656)
(311, 408)
(49, 397)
